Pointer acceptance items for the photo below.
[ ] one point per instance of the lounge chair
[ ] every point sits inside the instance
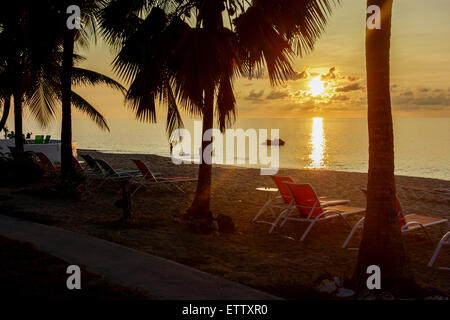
(445, 240)
(39, 139)
(307, 207)
(407, 222)
(150, 178)
(47, 163)
(284, 199)
(92, 164)
(117, 173)
(47, 139)
(77, 165)
(281, 201)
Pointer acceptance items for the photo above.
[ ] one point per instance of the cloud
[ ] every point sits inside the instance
(253, 95)
(421, 100)
(277, 95)
(340, 97)
(349, 87)
(352, 78)
(300, 75)
(330, 75)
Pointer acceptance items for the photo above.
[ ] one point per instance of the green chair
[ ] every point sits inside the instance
(47, 139)
(39, 139)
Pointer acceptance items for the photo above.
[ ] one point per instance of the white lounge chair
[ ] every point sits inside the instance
(408, 222)
(149, 178)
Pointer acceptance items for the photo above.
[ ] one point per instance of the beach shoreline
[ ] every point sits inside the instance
(123, 157)
(250, 256)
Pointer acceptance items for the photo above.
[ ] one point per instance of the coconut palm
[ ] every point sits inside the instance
(381, 243)
(22, 52)
(70, 39)
(5, 110)
(42, 95)
(185, 55)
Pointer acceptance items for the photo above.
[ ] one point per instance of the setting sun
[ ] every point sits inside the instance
(316, 86)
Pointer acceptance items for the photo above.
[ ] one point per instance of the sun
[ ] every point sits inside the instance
(316, 86)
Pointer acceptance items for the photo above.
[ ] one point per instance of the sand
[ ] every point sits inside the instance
(268, 262)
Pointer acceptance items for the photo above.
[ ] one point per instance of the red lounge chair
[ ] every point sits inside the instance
(407, 223)
(279, 202)
(284, 200)
(47, 163)
(150, 179)
(77, 165)
(307, 207)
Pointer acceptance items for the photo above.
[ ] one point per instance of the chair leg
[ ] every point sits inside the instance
(308, 229)
(355, 227)
(260, 212)
(438, 248)
(275, 223)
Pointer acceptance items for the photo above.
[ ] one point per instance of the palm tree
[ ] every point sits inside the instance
(381, 243)
(42, 94)
(183, 53)
(5, 111)
(88, 10)
(24, 52)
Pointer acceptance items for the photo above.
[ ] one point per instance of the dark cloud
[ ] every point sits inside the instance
(407, 94)
(340, 97)
(330, 75)
(300, 75)
(423, 99)
(253, 95)
(277, 95)
(350, 87)
(352, 78)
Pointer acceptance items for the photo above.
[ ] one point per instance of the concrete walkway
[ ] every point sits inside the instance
(160, 278)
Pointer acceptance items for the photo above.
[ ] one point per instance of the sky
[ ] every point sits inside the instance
(330, 81)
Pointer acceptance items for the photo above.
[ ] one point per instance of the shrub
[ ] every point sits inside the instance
(19, 167)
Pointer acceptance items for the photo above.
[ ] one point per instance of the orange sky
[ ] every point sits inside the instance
(420, 62)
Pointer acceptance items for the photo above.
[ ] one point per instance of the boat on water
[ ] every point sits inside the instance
(275, 142)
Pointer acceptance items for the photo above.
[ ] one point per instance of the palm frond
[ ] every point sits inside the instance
(303, 20)
(226, 104)
(43, 102)
(85, 107)
(261, 43)
(88, 77)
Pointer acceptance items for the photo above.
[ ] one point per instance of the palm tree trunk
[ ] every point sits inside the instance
(381, 243)
(67, 167)
(18, 130)
(200, 207)
(6, 108)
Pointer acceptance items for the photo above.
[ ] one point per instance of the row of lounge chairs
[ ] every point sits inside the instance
(98, 169)
(299, 202)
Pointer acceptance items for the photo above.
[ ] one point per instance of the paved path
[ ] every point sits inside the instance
(160, 278)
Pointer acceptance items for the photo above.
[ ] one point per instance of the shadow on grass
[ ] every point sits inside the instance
(10, 211)
(27, 273)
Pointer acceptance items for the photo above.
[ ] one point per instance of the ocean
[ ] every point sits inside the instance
(421, 144)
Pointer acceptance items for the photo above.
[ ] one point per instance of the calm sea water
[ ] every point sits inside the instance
(421, 145)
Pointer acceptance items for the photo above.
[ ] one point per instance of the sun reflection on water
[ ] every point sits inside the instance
(318, 145)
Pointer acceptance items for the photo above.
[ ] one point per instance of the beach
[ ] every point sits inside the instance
(272, 263)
